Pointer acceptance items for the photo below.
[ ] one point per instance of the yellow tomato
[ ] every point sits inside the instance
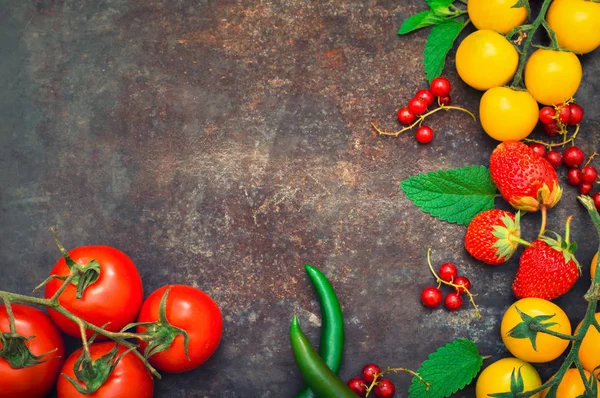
(576, 24)
(496, 14)
(507, 114)
(571, 385)
(593, 266)
(552, 77)
(496, 378)
(589, 352)
(548, 347)
(486, 59)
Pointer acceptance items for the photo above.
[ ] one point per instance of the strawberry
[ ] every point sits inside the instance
(493, 236)
(548, 269)
(526, 180)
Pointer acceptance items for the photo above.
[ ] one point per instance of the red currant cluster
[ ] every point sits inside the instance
(440, 88)
(371, 380)
(555, 119)
(573, 157)
(448, 275)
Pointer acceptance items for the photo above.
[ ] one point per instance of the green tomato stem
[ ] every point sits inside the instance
(11, 316)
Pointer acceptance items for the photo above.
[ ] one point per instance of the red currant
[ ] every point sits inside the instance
(555, 158)
(540, 149)
(384, 389)
(547, 115)
(573, 156)
(573, 176)
(589, 174)
(596, 198)
(564, 114)
(445, 100)
(358, 385)
(424, 134)
(417, 106)
(552, 129)
(425, 96)
(406, 116)
(431, 297)
(576, 114)
(448, 272)
(464, 283)
(453, 301)
(440, 87)
(585, 188)
(369, 372)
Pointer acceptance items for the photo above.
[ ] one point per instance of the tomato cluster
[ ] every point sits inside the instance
(185, 321)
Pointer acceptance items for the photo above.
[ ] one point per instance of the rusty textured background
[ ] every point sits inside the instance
(224, 144)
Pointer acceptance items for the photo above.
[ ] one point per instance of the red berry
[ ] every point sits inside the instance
(369, 372)
(445, 100)
(453, 301)
(554, 158)
(538, 148)
(573, 156)
(358, 385)
(585, 188)
(596, 198)
(384, 389)
(573, 176)
(425, 96)
(406, 116)
(440, 87)
(448, 272)
(589, 174)
(424, 134)
(552, 129)
(576, 114)
(431, 297)
(547, 115)
(464, 282)
(417, 106)
(564, 114)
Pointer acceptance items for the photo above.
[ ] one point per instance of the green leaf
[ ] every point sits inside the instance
(441, 7)
(447, 370)
(455, 195)
(420, 20)
(439, 43)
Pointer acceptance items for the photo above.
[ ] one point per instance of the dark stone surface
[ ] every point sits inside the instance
(224, 144)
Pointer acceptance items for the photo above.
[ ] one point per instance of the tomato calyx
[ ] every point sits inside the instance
(517, 385)
(17, 353)
(94, 373)
(531, 326)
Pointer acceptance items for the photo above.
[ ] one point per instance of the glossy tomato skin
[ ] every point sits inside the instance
(552, 77)
(195, 312)
(571, 385)
(129, 379)
(34, 381)
(116, 296)
(589, 352)
(575, 23)
(496, 377)
(508, 114)
(498, 15)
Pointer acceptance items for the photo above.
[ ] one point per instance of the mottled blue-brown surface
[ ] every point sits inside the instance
(224, 144)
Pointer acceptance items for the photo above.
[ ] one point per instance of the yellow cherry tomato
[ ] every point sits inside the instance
(576, 24)
(571, 385)
(589, 352)
(496, 378)
(548, 347)
(507, 114)
(496, 14)
(552, 77)
(593, 266)
(486, 59)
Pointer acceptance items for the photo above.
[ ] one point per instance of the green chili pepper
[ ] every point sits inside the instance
(332, 330)
(315, 372)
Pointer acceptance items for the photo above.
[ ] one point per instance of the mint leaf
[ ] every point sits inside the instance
(447, 370)
(455, 195)
(420, 20)
(441, 7)
(439, 43)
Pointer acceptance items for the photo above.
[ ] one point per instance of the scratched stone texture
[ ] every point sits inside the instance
(224, 144)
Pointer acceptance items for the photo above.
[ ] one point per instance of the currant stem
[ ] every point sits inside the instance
(393, 370)
(11, 315)
(556, 144)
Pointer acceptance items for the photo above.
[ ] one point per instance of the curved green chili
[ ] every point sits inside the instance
(331, 347)
(315, 372)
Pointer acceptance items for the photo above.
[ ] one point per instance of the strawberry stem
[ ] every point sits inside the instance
(544, 210)
(521, 241)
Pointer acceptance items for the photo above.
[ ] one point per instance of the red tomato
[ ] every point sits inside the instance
(195, 312)
(37, 380)
(115, 297)
(129, 378)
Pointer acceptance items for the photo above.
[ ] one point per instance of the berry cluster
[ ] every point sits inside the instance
(555, 119)
(371, 380)
(431, 296)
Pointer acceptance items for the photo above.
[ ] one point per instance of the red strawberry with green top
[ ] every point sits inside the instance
(526, 180)
(493, 236)
(547, 269)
